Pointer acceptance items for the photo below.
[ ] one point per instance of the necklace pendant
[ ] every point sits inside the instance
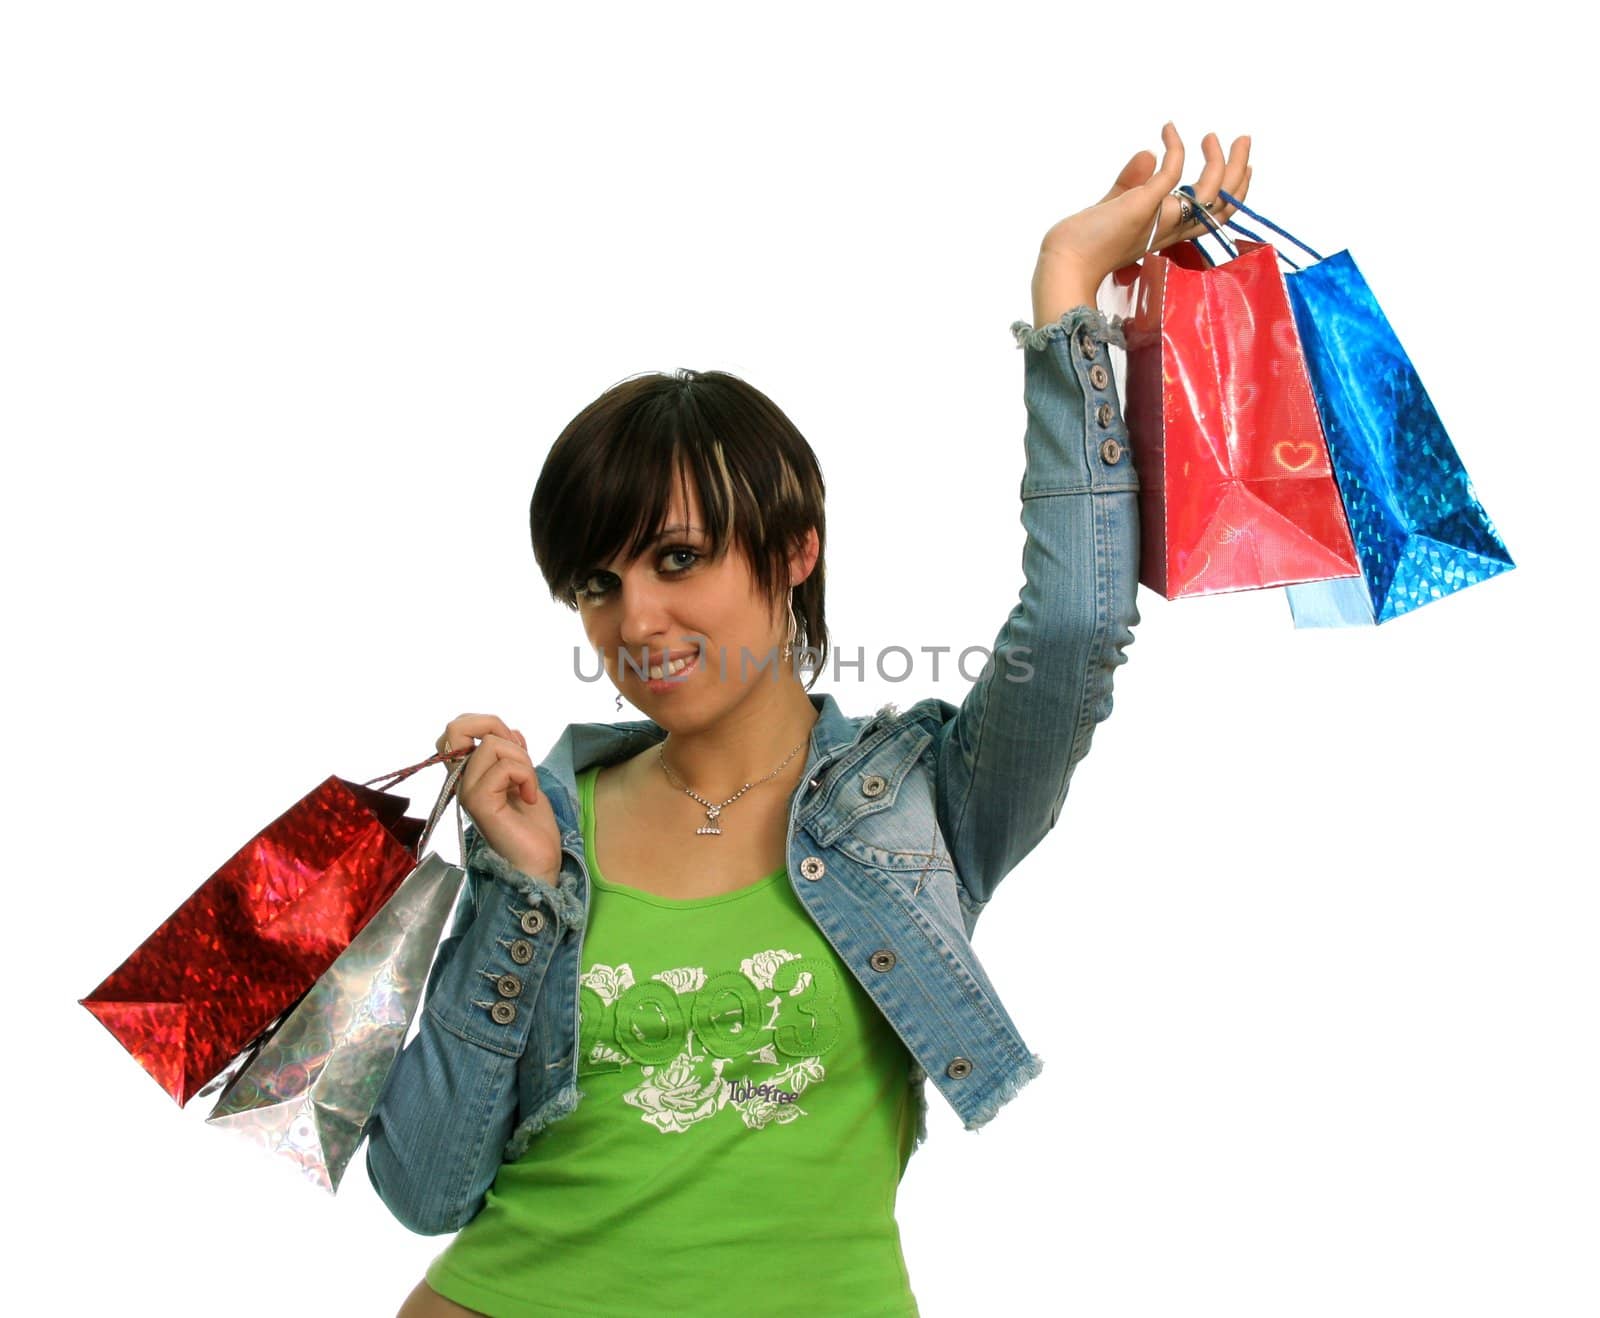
(711, 830)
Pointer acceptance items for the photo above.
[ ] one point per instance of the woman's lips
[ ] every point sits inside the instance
(671, 680)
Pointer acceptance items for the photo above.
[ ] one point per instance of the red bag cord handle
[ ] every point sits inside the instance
(447, 793)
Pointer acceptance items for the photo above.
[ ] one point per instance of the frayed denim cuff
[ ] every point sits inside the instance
(490, 862)
(561, 897)
(1099, 326)
(484, 858)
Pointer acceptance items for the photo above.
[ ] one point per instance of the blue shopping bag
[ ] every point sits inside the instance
(1419, 530)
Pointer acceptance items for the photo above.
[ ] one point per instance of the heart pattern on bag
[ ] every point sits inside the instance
(1285, 446)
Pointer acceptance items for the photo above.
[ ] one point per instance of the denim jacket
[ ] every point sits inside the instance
(899, 833)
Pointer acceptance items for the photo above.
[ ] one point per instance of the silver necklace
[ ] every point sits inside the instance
(714, 809)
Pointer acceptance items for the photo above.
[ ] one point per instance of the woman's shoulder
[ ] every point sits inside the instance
(931, 712)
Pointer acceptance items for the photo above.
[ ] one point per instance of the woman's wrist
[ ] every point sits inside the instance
(1059, 285)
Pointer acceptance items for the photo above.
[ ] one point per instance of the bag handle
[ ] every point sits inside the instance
(447, 793)
(1262, 219)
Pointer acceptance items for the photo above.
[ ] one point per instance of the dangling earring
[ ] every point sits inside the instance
(788, 646)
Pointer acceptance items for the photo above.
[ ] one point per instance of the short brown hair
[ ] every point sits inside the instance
(605, 486)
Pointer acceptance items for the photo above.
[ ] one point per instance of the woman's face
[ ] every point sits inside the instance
(674, 600)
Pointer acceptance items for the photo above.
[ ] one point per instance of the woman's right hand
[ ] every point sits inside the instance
(499, 788)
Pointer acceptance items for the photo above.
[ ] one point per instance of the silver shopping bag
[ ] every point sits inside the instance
(308, 1087)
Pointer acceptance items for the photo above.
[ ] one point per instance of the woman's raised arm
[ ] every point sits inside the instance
(1006, 756)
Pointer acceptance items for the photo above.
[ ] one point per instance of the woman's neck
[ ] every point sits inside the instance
(749, 743)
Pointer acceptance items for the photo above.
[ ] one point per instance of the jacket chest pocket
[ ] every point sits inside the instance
(879, 811)
(876, 795)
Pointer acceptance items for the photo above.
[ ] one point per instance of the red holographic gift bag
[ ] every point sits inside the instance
(1237, 491)
(252, 940)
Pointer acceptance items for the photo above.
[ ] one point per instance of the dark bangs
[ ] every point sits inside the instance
(606, 486)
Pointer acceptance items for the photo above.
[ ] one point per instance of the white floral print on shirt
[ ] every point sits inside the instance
(685, 1027)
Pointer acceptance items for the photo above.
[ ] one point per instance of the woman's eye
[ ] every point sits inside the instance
(584, 589)
(597, 585)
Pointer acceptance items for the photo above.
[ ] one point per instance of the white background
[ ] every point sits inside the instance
(297, 297)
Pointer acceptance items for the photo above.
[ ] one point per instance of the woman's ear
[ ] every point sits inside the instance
(804, 557)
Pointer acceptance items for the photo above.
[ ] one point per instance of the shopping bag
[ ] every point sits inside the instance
(307, 1091)
(1236, 489)
(1419, 529)
(251, 941)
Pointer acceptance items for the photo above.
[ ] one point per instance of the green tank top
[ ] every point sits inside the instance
(745, 1121)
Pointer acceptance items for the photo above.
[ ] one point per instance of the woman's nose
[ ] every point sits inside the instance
(644, 615)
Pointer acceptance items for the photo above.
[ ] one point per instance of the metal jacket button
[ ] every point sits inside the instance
(522, 951)
(1099, 377)
(959, 1069)
(881, 960)
(873, 784)
(812, 868)
(532, 921)
(503, 1012)
(508, 985)
(1103, 414)
(1110, 450)
(1086, 345)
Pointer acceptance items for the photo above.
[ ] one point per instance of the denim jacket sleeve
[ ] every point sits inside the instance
(1005, 759)
(435, 1139)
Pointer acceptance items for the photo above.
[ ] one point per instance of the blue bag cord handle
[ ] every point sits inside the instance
(1257, 238)
(1256, 215)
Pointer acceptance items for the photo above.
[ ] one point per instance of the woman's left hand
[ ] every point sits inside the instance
(1137, 215)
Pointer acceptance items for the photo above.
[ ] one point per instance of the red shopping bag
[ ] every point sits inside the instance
(1237, 492)
(256, 935)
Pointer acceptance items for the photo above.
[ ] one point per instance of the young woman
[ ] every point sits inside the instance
(743, 923)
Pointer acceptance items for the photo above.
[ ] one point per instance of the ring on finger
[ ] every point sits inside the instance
(1186, 206)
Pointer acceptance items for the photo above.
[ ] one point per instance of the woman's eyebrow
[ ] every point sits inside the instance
(666, 533)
